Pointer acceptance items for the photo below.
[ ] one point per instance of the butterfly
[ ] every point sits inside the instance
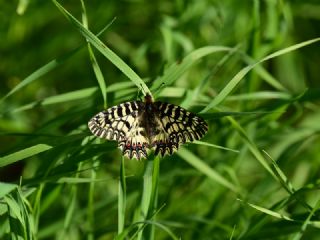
(138, 126)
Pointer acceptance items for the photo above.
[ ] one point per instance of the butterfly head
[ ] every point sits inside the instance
(148, 99)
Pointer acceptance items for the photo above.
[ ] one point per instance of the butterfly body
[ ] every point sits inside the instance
(138, 126)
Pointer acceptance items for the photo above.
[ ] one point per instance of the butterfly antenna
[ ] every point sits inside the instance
(163, 85)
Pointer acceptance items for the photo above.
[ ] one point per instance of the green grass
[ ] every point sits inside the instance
(250, 68)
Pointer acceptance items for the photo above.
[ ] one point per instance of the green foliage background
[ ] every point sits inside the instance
(255, 175)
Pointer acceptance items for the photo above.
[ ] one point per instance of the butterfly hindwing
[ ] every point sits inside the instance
(135, 143)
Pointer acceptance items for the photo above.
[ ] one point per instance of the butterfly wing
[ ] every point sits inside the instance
(121, 123)
(176, 126)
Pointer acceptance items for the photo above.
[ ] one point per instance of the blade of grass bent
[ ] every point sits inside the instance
(177, 69)
(107, 52)
(240, 75)
(215, 146)
(99, 75)
(40, 72)
(307, 222)
(6, 188)
(197, 163)
(58, 99)
(268, 211)
(199, 89)
(24, 153)
(94, 62)
(47, 68)
(252, 147)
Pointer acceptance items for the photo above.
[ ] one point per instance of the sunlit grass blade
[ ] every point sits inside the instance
(164, 228)
(94, 62)
(46, 69)
(204, 81)
(282, 178)
(24, 153)
(41, 72)
(174, 92)
(307, 222)
(6, 188)
(107, 52)
(21, 224)
(268, 211)
(38, 148)
(285, 183)
(202, 167)
(214, 146)
(122, 197)
(99, 75)
(149, 197)
(243, 72)
(218, 115)
(264, 74)
(146, 194)
(154, 194)
(176, 70)
(71, 96)
(252, 147)
(287, 218)
(58, 99)
(262, 95)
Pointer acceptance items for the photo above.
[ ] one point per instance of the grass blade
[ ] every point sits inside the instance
(252, 147)
(122, 197)
(41, 72)
(201, 166)
(243, 72)
(107, 52)
(214, 146)
(58, 99)
(176, 70)
(6, 188)
(24, 153)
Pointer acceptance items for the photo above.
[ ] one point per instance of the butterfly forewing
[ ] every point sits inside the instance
(116, 122)
(140, 125)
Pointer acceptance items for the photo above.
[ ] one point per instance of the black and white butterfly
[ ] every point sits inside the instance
(137, 126)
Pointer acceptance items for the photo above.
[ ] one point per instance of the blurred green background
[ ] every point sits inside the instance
(150, 36)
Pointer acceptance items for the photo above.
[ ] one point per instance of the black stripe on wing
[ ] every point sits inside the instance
(179, 126)
(114, 123)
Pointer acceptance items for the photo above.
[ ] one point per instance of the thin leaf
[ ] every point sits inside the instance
(6, 188)
(41, 72)
(267, 211)
(122, 197)
(243, 72)
(252, 147)
(146, 194)
(176, 70)
(24, 153)
(214, 146)
(58, 99)
(307, 222)
(201, 166)
(107, 52)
